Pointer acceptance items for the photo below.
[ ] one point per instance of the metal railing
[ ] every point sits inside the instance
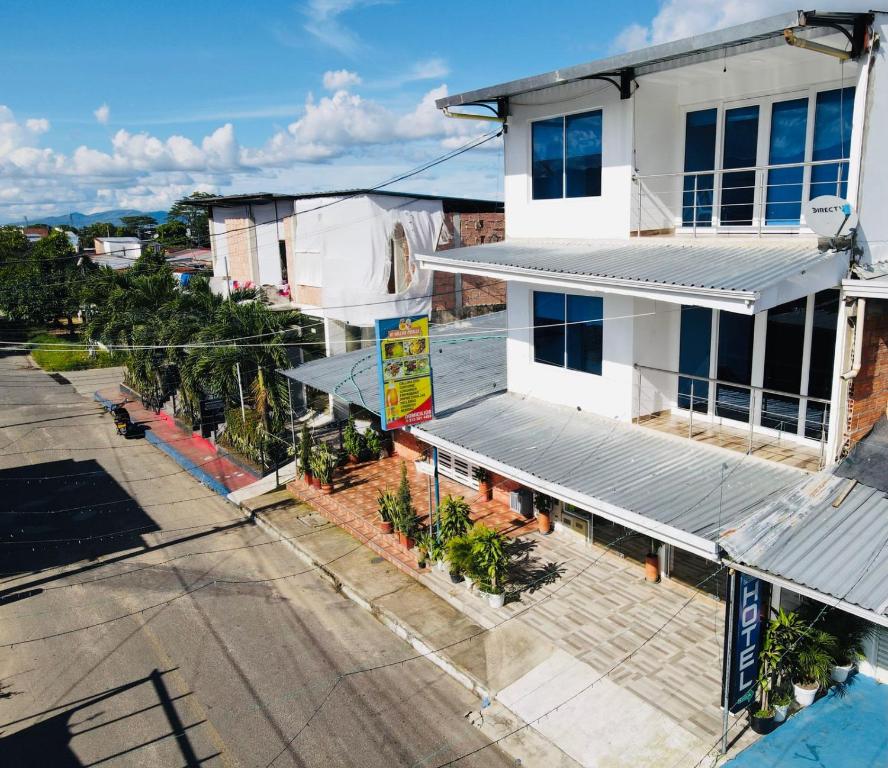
(709, 392)
(696, 200)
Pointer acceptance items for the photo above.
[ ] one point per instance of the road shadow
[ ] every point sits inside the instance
(49, 742)
(60, 512)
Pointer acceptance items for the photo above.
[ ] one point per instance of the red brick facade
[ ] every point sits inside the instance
(407, 446)
(868, 398)
(476, 292)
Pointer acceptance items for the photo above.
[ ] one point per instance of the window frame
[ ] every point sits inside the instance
(765, 102)
(759, 345)
(563, 116)
(565, 327)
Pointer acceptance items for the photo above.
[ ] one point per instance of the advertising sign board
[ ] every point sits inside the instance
(405, 371)
(742, 667)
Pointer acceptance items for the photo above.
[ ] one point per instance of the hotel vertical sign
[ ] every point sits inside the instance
(405, 371)
(742, 642)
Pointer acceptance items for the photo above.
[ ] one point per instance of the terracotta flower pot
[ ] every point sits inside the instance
(327, 488)
(652, 568)
(315, 482)
(352, 459)
(544, 520)
(402, 539)
(385, 526)
(308, 478)
(485, 489)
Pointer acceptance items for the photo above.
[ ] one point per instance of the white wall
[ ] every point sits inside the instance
(606, 216)
(657, 333)
(218, 243)
(268, 232)
(607, 395)
(873, 191)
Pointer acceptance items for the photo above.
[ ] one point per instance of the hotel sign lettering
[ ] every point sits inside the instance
(746, 630)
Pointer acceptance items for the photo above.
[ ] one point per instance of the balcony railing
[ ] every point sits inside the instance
(758, 419)
(759, 199)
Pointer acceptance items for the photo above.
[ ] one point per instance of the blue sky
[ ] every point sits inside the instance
(125, 104)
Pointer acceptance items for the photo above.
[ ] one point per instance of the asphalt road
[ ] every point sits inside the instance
(144, 622)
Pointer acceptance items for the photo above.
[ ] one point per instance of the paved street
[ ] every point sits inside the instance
(144, 622)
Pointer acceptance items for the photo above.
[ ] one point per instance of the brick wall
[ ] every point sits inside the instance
(239, 233)
(502, 487)
(869, 390)
(407, 446)
(477, 292)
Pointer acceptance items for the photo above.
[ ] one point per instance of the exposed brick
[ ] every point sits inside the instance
(869, 391)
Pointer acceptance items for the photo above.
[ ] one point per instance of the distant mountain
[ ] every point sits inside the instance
(84, 219)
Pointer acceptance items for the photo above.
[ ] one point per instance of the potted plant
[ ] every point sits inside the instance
(373, 443)
(427, 545)
(387, 510)
(490, 561)
(460, 557)
(305, 450)
(652, 564)
(352, 441)
(323, 462)
(455, 516)
(805, 654)
(781, 700)
(762, 720)
(405, 523)
(543, 506)
(850, 633)
(485, 489)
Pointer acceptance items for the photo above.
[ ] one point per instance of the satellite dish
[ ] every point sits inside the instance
(830, 216)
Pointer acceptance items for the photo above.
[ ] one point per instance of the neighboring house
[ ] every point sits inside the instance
(118, 247)
(348, 257)
(35, 233)
(682, 346)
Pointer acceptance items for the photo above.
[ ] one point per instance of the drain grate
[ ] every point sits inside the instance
(58, 378)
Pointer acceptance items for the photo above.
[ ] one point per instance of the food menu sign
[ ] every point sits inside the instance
(405, 371)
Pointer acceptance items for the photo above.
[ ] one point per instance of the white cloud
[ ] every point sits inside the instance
(37, 125)
(340, 79)
(430, 69)
(324, 24)
(102, 114)
(683, 18)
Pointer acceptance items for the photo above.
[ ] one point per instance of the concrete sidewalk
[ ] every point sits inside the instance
(193, 453)
(546, 670)
(483, 661)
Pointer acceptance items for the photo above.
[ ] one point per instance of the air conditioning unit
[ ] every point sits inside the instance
(521, 501)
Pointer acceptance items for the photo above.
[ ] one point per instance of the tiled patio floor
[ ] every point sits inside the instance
(604, 611)
(764, 446)
(353, 506)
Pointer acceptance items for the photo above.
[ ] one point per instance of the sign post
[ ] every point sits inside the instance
(743, 625)
(405, 371)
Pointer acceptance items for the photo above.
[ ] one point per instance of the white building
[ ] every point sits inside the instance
(118, 247)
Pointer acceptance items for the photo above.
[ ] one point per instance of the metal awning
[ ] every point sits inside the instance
(827, 537)
(667, 487)
(743, 274)
(743, 38)
(468, 361)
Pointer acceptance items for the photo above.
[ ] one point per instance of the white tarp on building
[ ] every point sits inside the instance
(346, 248)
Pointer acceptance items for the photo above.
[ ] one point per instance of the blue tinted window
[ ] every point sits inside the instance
(548, 331)
(820, 371)
(693, 357)
(583, 155)
(832, 140)
(548, 158)
(740, 151)
(784, 343)
(584, 313)
(789, 120)
(734, 364)
(699, 156)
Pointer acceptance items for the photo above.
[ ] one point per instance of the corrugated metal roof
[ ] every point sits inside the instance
(762, 272)
(840, 552)
(468, 361)
(671, 487)
(753, 35)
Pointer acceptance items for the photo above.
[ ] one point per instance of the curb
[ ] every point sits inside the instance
(383, 615)
(189, 466)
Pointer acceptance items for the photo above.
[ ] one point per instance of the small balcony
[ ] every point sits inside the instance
(777, 426)
(752, 200)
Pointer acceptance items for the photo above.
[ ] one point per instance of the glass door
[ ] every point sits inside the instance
(735, 339)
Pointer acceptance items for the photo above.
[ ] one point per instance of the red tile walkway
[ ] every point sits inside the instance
(195, 449)
(353, 506)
